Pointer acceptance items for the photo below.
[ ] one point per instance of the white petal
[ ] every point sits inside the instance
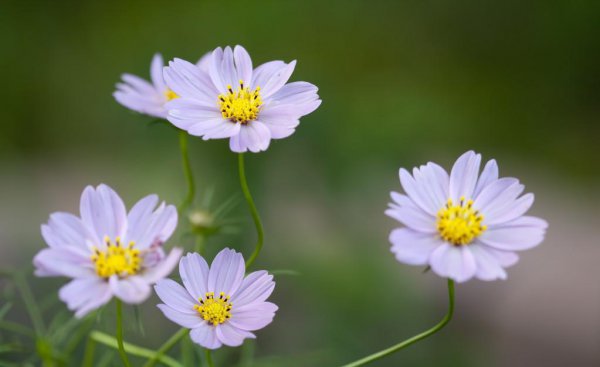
(194, 274)
(226, 272)
(414, 218)
(163, 268)
(132, 289)
(205, 336)
(187, 320)
(412, 247)
(463, 177)
(103, 211)
(232, 336)
(175, 296)
(520, 234)
(66, 261)
(453, 262)
(65, 229)
(156, 73)
(256, 287)
(254, 136)
(418, 193)
(85, 294)
(488, 267)
(489, 175)
(243, 64)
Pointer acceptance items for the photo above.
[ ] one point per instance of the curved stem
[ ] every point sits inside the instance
(132, 349)
(166, 346)
(120, 333)
(414, 339)
(187, 171)
(255, 217)
(209, 361)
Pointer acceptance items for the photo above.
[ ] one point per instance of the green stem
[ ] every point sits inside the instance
(120, 333)
(88, 356)
(414, 339)
(131, 348)
(187, 171)
(255, 217)
(200, 241)
(209, 360)
(166, 346)
(30, 304)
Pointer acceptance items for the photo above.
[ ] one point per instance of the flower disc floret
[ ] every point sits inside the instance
(459, 224)
(241, 105)
(116, 259)
(215, 311)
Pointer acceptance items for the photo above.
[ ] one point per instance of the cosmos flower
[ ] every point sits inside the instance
(218, 304)
(231, 100)
(107, 251)
(464, 225)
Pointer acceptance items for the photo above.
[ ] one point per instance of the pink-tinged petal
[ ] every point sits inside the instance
(277, 80)
(163, 268)
(139, 84)
(296, 93)
(435, 181)
(509, 211)
(85, 294)
(175, 296)
(254, 137)
(140, 216)
(463, 176)
(133, 289)
(103, 211)
(204, 61)
(226, 272)
(232, 336)
(187, 320)
(412, 247)
(65, 229)
(254, 316)
(156, 73)
(417, 193)
(205, 336)
(194, 274)
(488, 267)
(263, 73)
(148, 104)
(413, 218)
(152, 229)
(256, 287)
(214, 70)
(496, 194)
(243, 64)
(489, 175)
(220, 130)
(520, 234)
(453, 262)
(65, 261)
(191, 82)
(280, 128)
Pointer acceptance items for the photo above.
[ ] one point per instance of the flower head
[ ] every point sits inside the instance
(218, 304)
(229, 99)
(107, 251)
(464, 224)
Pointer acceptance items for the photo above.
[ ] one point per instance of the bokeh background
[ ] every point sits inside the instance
(402, 83)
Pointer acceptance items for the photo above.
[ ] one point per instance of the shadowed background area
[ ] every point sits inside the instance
(402, 83)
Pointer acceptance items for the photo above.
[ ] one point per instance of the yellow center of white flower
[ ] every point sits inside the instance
(459, 224)
(241, 105)
(215, 311)
(170, 95)
(116, 259)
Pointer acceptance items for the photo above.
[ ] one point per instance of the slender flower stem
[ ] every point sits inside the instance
(414, 339)
(209, 360)
(132, 349)
(30, 305)
(88, 356)
(199, 243)
(120, 333)
(166, 346)
(187, 171)
(253, 211)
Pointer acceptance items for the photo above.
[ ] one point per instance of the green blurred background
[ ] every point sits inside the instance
(402, 83)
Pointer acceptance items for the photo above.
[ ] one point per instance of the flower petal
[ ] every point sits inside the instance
(489, 175)
(151, 229)
(189, 81)
(164, 267)
(253, 316)
(133, 289)
(463, 176)
(65, 229)
(103, 211)
(232, 336)
(412, 247)
(66, 261)
(194, 274)
(453, 262)
(156, 73)
(205, 336)
(256, 287)
(226, 272)
(243, 64)
(187, 320)
(175, 296)
(85, 294)
(520, 234)
(488, 266)
(254, 136)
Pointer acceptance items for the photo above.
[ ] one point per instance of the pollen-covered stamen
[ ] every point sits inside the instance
(459, 224)
(214, 310)
(170, 95)
(241, 105)
(116, 259)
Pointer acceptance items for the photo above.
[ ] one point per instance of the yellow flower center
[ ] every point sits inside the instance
(116, 259)
(170, 95)
(459, 224)
(241, 105)
(215, 311)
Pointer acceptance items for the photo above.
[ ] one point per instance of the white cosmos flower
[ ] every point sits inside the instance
(464, 225)
(146, 97)
(233, 100)
(107, 251)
